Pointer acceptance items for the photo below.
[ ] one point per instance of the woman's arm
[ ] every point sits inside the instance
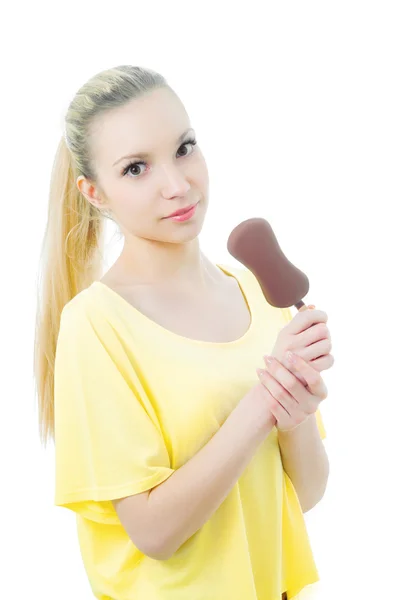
(159, 521)
(305, 461)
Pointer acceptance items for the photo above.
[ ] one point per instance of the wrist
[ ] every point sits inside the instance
(295, 429)
(255, 413)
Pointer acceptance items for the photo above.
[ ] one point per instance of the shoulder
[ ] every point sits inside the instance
(86, 332)
(82, 313)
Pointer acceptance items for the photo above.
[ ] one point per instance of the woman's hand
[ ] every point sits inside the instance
(289, 400)
(307, 336)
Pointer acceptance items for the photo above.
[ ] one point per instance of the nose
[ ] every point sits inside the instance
(176, 181)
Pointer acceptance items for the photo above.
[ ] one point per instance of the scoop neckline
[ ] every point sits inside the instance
(123, 302)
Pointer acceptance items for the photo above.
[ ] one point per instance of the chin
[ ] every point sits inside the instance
(185, 234)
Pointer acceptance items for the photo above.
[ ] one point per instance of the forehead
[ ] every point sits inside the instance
(142, 125)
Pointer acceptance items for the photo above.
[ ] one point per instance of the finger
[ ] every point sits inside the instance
(305, 319)
(285, 415)
(282, 417)
(287, 379)
(315, 383)
(322, 363)
(316, 350)
(278, 411)
(290, 367)
(315, 333)
(278, 392)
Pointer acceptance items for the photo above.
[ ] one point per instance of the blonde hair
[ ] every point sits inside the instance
(71, 256)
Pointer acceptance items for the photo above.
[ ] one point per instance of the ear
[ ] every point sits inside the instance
(89, 191)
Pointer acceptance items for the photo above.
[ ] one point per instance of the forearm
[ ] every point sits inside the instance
(182, 504)
(305, 461)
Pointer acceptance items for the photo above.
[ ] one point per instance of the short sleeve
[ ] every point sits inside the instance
(287, 317)
(108, 441)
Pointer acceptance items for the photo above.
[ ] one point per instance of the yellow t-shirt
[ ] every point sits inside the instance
(133, 403)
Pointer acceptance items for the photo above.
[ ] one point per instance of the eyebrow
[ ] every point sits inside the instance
(147, 154)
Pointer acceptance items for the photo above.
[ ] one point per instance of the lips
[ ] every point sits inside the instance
(181, 211)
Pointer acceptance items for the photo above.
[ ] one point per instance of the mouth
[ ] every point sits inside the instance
(181, 211)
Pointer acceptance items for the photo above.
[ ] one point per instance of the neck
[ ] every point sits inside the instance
(157, 263)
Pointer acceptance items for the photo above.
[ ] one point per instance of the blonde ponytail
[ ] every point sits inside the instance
(70, 261)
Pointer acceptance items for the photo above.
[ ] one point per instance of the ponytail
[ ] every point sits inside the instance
(70, 261)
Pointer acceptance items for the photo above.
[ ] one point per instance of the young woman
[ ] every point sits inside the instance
(189, 469)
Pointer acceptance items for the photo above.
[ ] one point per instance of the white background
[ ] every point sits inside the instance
(295, 108)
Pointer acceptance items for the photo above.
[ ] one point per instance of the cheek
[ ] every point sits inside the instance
(139, 212)
(133, 209)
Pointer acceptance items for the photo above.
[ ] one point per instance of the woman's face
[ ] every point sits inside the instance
(172, 175)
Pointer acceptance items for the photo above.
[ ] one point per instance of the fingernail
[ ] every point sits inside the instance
(311, 306)
(291, 357)
(269, 360)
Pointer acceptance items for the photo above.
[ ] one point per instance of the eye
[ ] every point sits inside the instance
(133, 165)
